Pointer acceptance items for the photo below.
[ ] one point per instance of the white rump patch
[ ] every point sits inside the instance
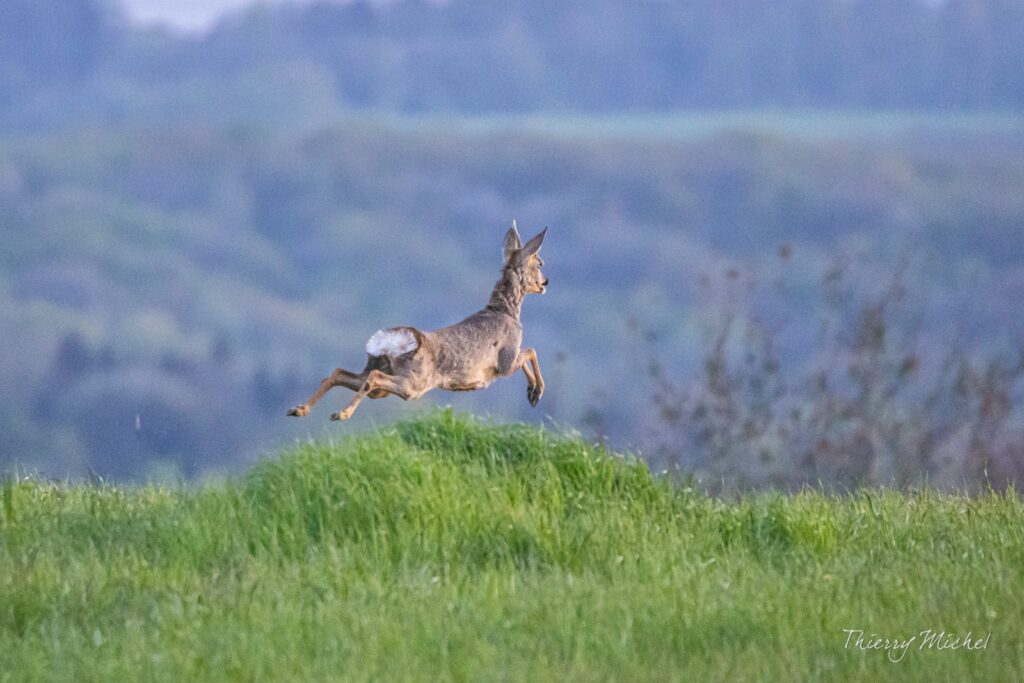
(391, 343)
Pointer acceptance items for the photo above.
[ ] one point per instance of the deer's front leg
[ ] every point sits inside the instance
(535, 381)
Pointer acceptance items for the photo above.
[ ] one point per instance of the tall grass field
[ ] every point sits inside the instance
(447, 549)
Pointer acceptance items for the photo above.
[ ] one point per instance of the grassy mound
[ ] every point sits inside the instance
(446, 549)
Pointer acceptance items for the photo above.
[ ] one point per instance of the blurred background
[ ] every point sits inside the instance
(785, 237)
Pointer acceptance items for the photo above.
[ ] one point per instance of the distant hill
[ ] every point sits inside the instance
(64, 62)
(195, 229)
(204, 279)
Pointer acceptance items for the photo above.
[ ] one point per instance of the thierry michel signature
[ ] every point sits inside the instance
(896, 648)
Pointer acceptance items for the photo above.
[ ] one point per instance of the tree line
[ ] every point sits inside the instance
(534, 55)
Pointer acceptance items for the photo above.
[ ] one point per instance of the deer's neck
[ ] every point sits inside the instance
(507, 296)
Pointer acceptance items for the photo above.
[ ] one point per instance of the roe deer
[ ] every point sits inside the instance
(469, 355)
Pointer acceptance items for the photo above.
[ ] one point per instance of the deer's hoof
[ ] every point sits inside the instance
(534, 393)
(343, 415)
(299, 411)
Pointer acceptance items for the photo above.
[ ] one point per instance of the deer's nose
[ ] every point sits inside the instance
(545, 282)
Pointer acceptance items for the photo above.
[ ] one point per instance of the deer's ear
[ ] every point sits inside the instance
(512, 243)
(533, 246)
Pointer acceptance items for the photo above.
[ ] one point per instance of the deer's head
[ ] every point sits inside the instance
(523, 262)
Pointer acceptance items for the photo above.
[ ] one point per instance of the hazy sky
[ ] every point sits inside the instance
(189, 15)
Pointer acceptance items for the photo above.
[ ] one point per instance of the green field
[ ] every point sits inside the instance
(446, 549)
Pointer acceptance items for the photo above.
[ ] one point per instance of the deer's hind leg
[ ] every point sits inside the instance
(377, 385)
(338, 378)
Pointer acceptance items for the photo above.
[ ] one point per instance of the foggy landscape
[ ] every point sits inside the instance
(784, 238)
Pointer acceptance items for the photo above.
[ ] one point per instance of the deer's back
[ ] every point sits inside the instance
(473, 352)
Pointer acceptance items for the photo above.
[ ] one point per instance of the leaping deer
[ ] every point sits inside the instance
(466, 356)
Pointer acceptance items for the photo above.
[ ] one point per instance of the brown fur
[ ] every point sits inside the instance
(466, 356)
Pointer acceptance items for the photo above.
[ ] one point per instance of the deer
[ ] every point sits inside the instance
(407, 362)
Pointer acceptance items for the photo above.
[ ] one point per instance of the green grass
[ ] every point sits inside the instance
(446, 549)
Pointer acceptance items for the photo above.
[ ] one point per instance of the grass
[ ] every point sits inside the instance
(444, 549)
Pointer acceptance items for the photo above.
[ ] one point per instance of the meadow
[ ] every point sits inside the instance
(444, 548)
